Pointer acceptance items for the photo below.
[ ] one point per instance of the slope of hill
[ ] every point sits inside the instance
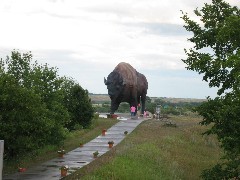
(100, 98)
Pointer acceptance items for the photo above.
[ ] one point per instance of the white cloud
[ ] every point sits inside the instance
(86, 39)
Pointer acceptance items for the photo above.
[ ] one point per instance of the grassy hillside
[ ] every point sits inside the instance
(105, 98)
(99, 98)
(156, 150)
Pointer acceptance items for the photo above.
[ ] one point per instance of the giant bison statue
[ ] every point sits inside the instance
(125, 84)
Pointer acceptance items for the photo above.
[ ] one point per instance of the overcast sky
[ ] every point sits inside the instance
(86, 39)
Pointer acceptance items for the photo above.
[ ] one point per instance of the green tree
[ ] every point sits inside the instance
(148, 99)
(123, 108)
(24, 119)
(151, 107)
(216, 55)
(32, 114)
(79, 105)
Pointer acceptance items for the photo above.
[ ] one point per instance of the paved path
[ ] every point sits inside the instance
(79, 157)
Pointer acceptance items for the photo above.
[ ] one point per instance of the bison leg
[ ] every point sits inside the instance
(143, 98)
(138, 100)
(114, 107)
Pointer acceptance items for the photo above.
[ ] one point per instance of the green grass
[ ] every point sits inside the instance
(156, 151)
(72, 141)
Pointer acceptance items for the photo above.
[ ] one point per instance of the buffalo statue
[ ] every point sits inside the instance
(125, 84)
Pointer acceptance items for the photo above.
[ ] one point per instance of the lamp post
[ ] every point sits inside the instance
(158, 110)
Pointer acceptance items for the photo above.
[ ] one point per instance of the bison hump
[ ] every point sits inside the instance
(129, 74)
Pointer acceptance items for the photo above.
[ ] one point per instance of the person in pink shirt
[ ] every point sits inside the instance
(133, 109)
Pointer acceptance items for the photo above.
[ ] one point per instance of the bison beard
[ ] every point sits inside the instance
(125, 84)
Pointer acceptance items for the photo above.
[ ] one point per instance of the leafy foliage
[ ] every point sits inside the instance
(33, 110)
(79, 106)
(216, 55)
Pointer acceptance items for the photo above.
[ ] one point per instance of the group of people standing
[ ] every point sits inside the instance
(133, 110)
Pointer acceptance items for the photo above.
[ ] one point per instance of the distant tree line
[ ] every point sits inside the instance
(37, 106)
(170, 108)
(179, 108)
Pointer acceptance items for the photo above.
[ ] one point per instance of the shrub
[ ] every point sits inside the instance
(79, 107)
(24, 120)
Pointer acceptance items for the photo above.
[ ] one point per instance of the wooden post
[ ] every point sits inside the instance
(1, 157)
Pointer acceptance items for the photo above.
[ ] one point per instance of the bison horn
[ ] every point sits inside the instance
(105, 81)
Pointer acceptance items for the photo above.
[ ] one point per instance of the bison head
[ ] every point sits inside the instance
(115, 84)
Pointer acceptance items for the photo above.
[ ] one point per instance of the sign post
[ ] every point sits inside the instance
(158, 112)
(1, 157)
